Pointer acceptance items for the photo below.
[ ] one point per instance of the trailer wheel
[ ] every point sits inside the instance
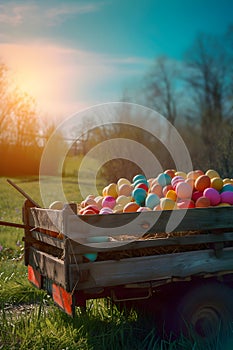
(206, 310)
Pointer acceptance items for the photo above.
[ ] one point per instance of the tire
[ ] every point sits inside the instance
(206, 310)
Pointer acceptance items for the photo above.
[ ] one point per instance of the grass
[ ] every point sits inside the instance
(44, 326)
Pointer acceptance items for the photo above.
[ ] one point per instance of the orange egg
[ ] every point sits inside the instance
(194, 174)
(170, 172)
(202, 182)
(171, 194)
(202, 202)
(131, 207)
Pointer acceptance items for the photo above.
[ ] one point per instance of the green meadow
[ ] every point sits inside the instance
(30, 320)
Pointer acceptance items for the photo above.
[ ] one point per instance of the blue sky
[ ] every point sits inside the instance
(73, 54)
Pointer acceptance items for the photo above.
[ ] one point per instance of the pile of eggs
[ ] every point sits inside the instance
(169, 190)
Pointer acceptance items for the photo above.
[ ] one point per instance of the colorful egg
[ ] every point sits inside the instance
(181, 173)
(202, 182)
(164, 179)
(194, 174)
(143, 209)
(212, 173)
(176, 179)
(91, 256)
(125, 190)
(139, 195)
(170, 172)
(118, 208)
(87, 212)
(185, 204)
(167, 204)
(213, 195)
(171, 194)
(123, 181)
(123, 200)
(184, 190)
(227, 197)
(227, 187)
(109, 202)
(157, 189)
(191, 182)
(196, 195)
(140, 181)
(139, 177)
(131, 207)
(152, 200)
(166, 189)
(142, 185)
(111, 190)
(99, 201)
(217, 183)
(227, 180)
(202, 202)
(106, 210)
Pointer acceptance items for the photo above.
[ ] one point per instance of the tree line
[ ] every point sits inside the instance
(195, 94)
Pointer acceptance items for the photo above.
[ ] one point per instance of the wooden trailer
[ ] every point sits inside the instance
(131, 259)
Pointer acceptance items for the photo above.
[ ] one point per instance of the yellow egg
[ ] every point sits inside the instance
(118, 208)
(104, 192)
(167, 204)
(171, 195)
(111, 190)
(123, 200)
(223, 205)
(212, 173)
(181, 173)
(57, 205)
(217, 183)
(123, 181)
(227, 181)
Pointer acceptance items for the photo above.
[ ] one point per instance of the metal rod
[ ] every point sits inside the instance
(23, 193)
(13, 224)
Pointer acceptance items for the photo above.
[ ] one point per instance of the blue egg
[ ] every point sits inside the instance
(164, 179)
(140, 181)
(152, 200)
(227, 187)
(139, 195)
(138, 177)
(91, 256)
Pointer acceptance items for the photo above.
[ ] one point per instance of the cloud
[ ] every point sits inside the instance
(15, 13)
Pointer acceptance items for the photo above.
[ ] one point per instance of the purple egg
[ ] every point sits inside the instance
(213, 195)
(227, 197)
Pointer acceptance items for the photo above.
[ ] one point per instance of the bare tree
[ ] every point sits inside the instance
(162, 88)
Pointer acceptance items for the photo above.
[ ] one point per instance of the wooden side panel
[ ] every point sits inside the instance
(63, 299)
(49, 266)
(34, 277)
(148, 268)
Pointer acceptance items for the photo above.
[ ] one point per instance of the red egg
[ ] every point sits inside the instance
(166, 189)
(170, 172)
(196, 195)
(142, 185)
(202, 202)
(185, 204)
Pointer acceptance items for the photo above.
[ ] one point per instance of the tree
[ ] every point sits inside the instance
(161, 88)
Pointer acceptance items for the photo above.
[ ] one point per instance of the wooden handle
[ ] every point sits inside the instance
(23, 193)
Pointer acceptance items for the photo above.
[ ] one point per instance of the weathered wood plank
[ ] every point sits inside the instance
(155, 242)
(79, 227)
(112, 273)
(48, 266)
(47, 239)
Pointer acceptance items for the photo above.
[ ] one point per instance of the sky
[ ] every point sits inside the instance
(70, 54)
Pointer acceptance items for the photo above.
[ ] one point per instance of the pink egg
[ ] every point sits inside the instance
(176, 179)
(157, 189)
(184, 190)
(124, 190)
(143, 209)
(109, 202)
(106, 210)
(196, 195)
(227, 197)
(213, 195)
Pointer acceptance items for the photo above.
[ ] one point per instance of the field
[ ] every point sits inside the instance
(28, 318)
